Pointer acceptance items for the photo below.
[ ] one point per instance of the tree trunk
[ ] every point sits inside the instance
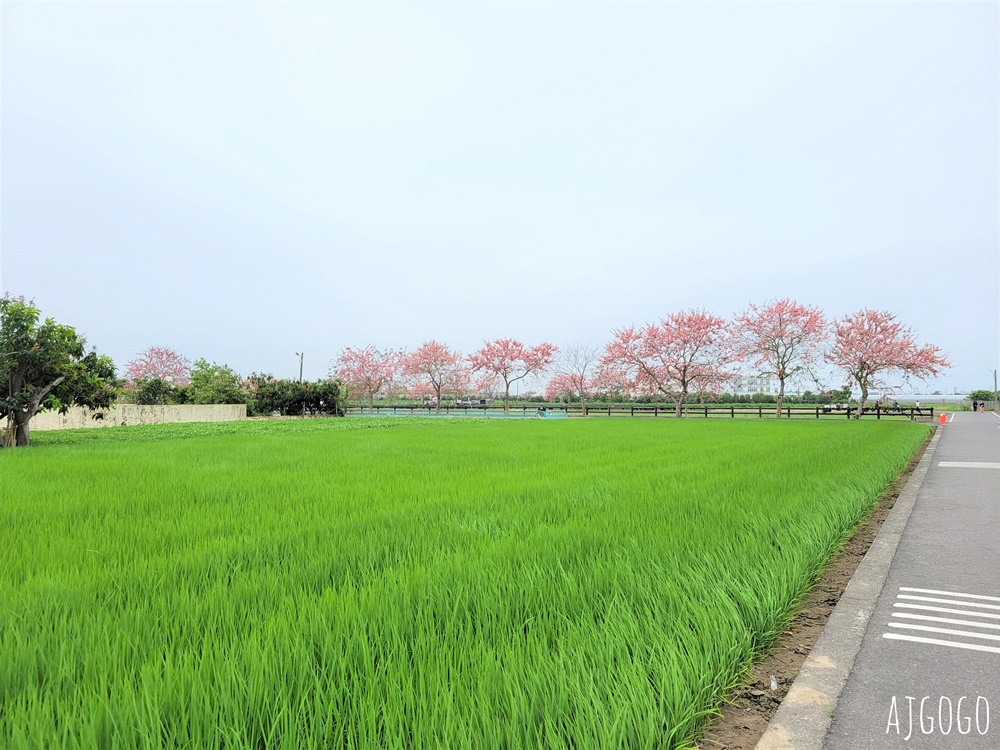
(506, 397)
(22, 434)
(781, 397)
(861, 404)
(22, 418)
(679, 405)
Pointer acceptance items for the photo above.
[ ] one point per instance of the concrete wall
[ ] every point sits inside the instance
(124, 414)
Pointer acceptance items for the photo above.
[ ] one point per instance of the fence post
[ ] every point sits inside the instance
(632, 412)
(788, 412)
(760, 412)
(609, 410)
(848, 412)
(706, 412)
(878, 412)
(817, 412)
(732, 411)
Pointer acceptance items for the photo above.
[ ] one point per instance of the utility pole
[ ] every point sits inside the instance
(996, 396)
(302, 356)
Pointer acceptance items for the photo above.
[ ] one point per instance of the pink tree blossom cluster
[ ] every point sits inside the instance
(369, 372)
(684, 353)
(159, 362)
(693, 351)
(434, 370)
(871, 346)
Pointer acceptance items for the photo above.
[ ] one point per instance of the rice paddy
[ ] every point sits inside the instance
(413, 583)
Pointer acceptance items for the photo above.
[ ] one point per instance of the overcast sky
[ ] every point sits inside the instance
(244, 181)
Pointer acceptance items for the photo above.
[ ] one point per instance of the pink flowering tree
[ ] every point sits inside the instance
(872, 347)
(419, 389)
(508, 360)
(368, 372)
(161, 363)
(682, 354)
(575, 370)
(781, 339)
(561, 386)
(438, 367)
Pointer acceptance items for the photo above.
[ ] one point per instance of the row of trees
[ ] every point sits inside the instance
(434, 370)
(685, 353)
(160, 375)
(45, 365)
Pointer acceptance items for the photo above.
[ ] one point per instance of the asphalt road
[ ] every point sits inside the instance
(927, 674)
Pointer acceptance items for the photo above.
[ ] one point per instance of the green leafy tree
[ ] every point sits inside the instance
(268, 395)
(45, 366)
(215, 384)
(982, 395)
(153, 391)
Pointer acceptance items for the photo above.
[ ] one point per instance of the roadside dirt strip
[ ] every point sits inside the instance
(911, 654)
(745, 719)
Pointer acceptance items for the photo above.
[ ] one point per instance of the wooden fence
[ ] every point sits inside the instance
(692, 410)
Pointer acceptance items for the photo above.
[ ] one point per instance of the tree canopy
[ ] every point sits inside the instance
(45, 366)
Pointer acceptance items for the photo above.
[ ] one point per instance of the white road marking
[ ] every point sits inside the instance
(962, 606)
(969, 465)
(938, 642)
(946, 631)
(951, 593)
(947, 601)
(948, 620)
(946, 610)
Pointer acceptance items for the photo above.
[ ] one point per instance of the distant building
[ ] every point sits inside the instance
(748, 385)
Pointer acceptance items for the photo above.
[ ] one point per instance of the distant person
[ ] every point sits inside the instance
(542, 411)
(982, 407)
(975, 406)
(895, 406)
(918, 404)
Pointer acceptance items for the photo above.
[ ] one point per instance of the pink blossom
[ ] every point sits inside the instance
(682, 354)
(781, 339)
(159, 362)
(369, 371)
(871, 345)
(509, 360)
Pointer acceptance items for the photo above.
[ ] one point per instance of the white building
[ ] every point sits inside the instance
(748, 385)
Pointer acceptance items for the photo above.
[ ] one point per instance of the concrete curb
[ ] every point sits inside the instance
(804, 717)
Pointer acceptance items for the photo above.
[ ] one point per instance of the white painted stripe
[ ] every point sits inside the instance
(965, 612)
(969, 464)
(949, 620)
(937, 642)
(951, 593)
(946, 631)
(948, 601)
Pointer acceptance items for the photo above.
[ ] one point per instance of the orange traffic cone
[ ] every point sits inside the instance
(943, 418)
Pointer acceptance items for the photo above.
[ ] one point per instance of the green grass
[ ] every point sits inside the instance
(407, 583)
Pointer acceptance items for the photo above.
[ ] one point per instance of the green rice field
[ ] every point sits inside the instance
(380, 583)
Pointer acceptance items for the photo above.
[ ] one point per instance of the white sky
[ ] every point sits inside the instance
(244, 181)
